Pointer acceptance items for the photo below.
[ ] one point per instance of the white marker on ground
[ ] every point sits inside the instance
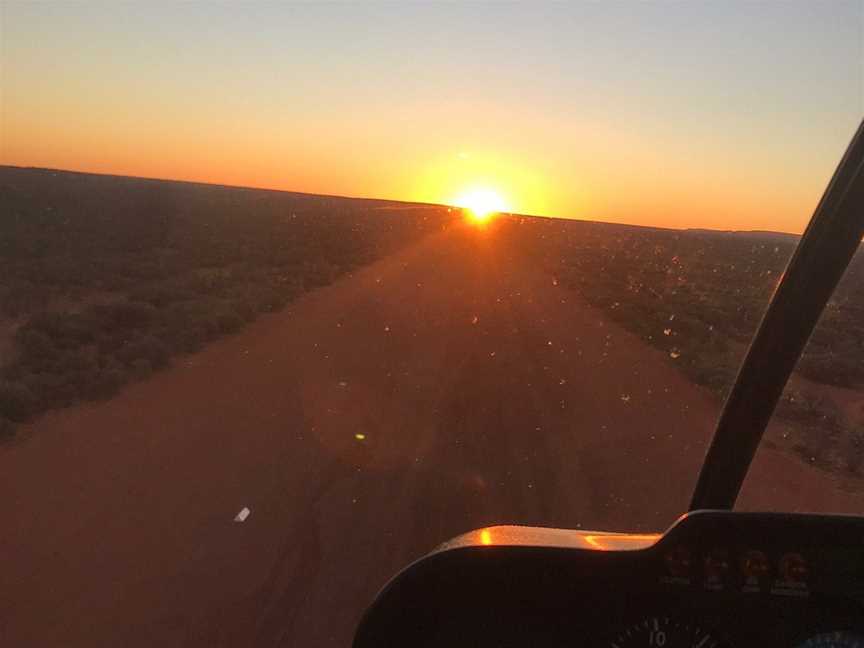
(242, 515)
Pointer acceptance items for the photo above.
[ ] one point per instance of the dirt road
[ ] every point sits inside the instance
(441, 389)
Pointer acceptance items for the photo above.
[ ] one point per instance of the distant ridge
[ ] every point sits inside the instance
(385, 202)
(198, 183)
(762, 234)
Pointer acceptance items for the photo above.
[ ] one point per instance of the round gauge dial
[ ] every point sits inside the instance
(666, 632)
(833, 640)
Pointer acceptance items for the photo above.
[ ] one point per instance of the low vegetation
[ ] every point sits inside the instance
(107, 279)
(699, 297)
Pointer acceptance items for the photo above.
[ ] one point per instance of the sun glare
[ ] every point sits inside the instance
(482, 204)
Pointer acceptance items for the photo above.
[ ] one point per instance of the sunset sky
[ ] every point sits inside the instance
(717, 115)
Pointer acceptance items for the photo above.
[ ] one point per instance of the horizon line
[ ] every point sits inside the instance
(386, 200)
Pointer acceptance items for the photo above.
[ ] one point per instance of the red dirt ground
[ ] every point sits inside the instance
(486, 394)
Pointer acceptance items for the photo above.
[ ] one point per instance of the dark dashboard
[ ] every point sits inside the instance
(714, 579)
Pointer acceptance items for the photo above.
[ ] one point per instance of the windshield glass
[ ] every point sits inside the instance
(813, 450)
(290, 294)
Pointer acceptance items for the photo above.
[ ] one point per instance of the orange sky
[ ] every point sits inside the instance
(729, 117)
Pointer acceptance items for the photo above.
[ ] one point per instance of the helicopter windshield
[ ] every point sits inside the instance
(289, 294)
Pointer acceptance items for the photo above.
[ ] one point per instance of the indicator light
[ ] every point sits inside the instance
(679, 561)
(755, 565)
(793, 568)
(716, 564)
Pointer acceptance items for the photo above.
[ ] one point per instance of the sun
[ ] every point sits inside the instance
(482, 204)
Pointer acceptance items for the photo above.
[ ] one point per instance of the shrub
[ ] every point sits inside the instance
(24, 297)
(144, 347)
(50, 389)
(109, 380)
(141, 368)
(246, 310)
(63, 329)
(17, 401)
(191, 339)
(34, 343)
(229, 322)
(809, 409)
(162, 294)
(7, 429)
(132, 314)
(836, 365)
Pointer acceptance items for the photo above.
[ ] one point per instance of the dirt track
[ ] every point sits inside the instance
(486, 394)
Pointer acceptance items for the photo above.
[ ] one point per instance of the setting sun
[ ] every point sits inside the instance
(482, 204)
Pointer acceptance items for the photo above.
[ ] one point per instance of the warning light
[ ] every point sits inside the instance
(793, 568)
(679, 561)
(716, 564)
(754, 565)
